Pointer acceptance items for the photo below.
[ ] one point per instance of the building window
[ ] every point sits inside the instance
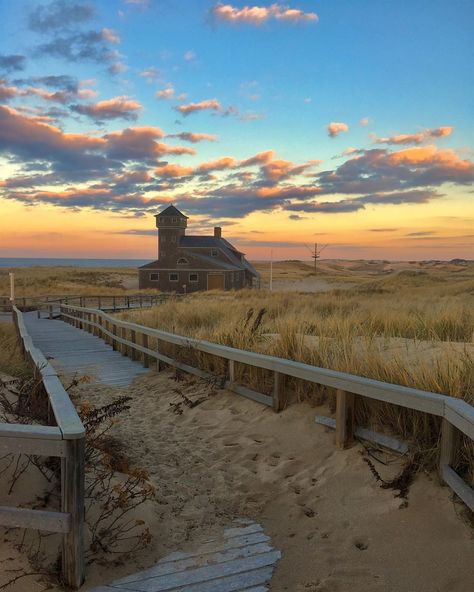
(174, 277)
(182, 261)
(154, 277)
(193, 277)
(214, 253)
(175, 219)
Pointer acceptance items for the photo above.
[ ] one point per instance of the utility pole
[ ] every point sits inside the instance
(271, 270)
(316, 254)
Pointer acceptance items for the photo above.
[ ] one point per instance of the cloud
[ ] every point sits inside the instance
(189, 55)
(259, 158)
(335, 128)
(383, 229)
(174, 170)
(140, 143)
(208, 104)
(7, 91)
(418, 138)
(116, 108)
(194, 137)
(379, 170)
(165, 93)
(59, 14)
(110, 35)
(258, 15)
(150, 74)
(277, 170)
(12, 62)
(364, 121)
(226, 162)
(82, 46)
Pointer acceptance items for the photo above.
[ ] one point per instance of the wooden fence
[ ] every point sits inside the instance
(133, 340)
(64, 439)
(110, 302)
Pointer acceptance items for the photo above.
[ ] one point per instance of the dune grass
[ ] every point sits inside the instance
(11, 359)
(406, 329)
(64, 280)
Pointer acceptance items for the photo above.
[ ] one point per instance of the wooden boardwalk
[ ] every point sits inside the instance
(72, 351)
(240, 560)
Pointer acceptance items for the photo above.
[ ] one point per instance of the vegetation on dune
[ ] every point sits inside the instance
(11, 359)
(63, 280)
(408, 332)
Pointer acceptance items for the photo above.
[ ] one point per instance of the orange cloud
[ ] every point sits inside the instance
(208, 104)
(226, 162)
(335, 128)
(259, 158)
(431, 156)
(115, 108)
(258, 15)
(418, 138)
(174, 170)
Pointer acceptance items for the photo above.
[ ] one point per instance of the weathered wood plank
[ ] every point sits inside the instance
(345, 421)
(72, 502)
(34, 446)
(369, 435)
(36, 519)
(458, 485)
(448, 444)
(18, 430)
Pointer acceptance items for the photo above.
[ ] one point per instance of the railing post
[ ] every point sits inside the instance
(123, 335)
(448, 445)
(133, 339)
(113, 302)
(146, 361)
(278, 390)
(72, 502)
(50, 311)
(345, 422)
(114, 331)
(231, 371)
(159, 363)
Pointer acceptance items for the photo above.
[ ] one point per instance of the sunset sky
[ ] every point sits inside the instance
(350, 123)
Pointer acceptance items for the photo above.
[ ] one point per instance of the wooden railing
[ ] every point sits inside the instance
(133, 340)
(110, 302)
(64, 439)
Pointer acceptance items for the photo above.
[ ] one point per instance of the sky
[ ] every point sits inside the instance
(349, 123)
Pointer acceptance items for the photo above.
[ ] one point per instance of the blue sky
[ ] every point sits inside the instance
(379, 68)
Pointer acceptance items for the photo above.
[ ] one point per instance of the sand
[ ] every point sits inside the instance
(229, 457)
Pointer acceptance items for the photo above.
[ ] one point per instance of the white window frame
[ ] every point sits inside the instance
(157, 279)
(173, 273)
(194, 281)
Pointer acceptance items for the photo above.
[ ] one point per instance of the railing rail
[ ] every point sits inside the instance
(457, 415)
(66, 440)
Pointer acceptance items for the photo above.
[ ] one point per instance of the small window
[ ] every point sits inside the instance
(154, 277)
(214, 253)
(182, 261)
(193, 277)
(175, 219)
(174, 277)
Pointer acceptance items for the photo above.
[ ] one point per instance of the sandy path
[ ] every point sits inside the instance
(229, 457)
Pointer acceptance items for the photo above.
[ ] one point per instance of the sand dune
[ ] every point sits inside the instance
(229, 457)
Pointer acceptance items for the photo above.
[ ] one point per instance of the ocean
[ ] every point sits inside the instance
(36, 262)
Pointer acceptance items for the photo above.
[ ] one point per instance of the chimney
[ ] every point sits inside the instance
(217, 232)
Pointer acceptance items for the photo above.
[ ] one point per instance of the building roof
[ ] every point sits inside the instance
(236, 258)
(171, 211)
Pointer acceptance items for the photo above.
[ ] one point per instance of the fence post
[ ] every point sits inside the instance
(133, 339)
(278, 388)
(345, 422)
(146, 361)
(72, 502)
(449, 442)
(159, 363)
(231, 372)
(113, 302)
(50, 311)
(114, 331)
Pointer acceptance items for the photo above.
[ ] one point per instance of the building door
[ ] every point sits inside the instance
(215, 281)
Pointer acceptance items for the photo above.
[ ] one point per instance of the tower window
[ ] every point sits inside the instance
(174, 277)
(214, 253)
(182, 261)
(154, 277)
(193, 277)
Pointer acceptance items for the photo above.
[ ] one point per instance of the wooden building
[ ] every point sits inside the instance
(189, 263)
